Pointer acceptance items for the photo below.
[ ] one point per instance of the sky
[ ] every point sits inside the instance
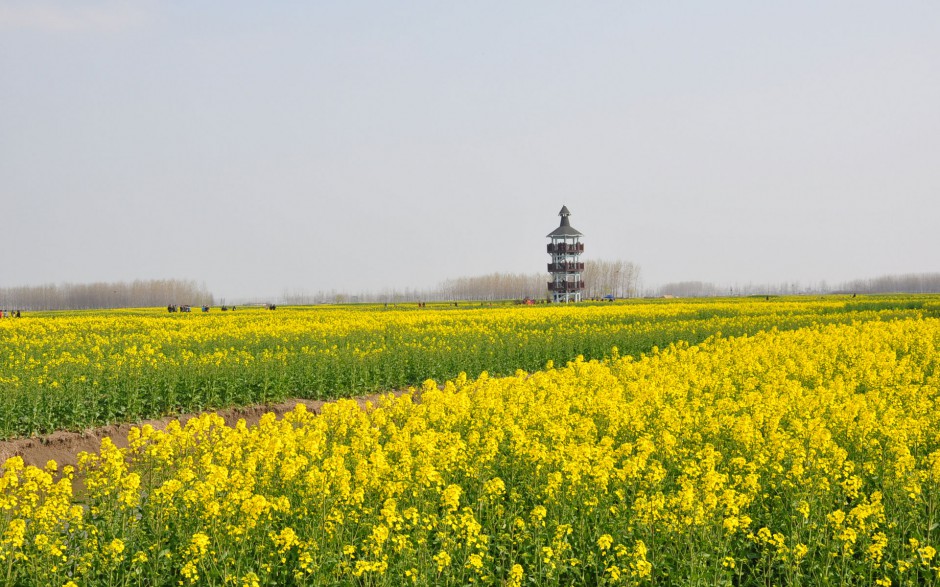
(266, 147)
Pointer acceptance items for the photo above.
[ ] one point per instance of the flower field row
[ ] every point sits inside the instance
(802, 457)
(79, 369)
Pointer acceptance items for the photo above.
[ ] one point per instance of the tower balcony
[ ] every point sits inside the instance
(565, 267)
(565, 286)
(565, 248)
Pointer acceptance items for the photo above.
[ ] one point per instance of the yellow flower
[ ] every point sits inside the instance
(198, 544)
(450, 498)
(115, 548)
(926, 554)
(516, 574)
(537, 515)
(443, 560)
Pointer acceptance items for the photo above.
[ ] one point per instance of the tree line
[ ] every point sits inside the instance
(617, 278)
(120, 294)
(620, 279)
(914, 283)
(906, 283)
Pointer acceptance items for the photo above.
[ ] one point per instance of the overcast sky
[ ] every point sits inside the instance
(261, 147)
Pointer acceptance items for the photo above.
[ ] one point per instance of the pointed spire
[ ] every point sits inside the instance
(564, 216)
(564, 228)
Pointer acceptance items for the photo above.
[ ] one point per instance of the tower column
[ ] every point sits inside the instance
(565, 248)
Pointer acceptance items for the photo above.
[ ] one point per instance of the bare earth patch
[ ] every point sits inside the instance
(64, 447)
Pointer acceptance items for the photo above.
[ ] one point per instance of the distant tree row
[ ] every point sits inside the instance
(617, 278)
(495, 286)
(83, 296)
(904, 283)
(611, 278)
(690, 289)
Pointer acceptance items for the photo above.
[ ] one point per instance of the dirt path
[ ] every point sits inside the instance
(63, 447)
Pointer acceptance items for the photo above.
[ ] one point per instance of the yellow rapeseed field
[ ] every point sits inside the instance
(72, 370)
(803, 456)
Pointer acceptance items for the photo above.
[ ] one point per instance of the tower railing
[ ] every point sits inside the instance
(565, 267)
(565, 247)
(565, 286)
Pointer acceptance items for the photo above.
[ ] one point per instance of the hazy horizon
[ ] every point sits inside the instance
(361, 146)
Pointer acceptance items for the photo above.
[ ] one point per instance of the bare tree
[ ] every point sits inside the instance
(83, 296)
(618, 278)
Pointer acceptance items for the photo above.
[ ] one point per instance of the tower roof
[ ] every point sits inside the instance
(565, 228)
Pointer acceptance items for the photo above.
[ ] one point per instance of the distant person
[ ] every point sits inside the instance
(17, 313)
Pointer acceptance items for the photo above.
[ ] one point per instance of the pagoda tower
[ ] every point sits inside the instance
(566, 266)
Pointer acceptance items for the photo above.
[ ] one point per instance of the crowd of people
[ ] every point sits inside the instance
(9, 314)
(205, 308)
